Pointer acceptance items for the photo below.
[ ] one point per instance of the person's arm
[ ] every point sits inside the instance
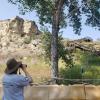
(24, 68)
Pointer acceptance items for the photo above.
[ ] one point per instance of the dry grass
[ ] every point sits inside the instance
(39, 70)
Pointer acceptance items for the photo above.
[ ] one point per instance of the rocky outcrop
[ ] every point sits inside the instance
(19, 26)
(16, 25)
(84, 45)
(17, 35)
(30, 27)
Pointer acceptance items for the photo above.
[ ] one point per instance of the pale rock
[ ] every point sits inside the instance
(30, 27)
(4, 44)
(13, 34)
(16, 25)
(25, 58)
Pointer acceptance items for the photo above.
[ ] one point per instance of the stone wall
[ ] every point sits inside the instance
(55, 92)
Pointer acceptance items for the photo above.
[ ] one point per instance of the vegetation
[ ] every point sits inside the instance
(87, 66)
(63, 54)
(27, 40)
(54, 12)
(70, 73)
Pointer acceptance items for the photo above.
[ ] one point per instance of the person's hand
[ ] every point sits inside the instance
(24, 66)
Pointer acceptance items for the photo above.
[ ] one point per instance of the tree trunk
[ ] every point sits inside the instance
(54, 39)
(54, 51)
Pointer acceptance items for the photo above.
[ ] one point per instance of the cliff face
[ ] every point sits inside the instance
(19, 26)
(16, 35)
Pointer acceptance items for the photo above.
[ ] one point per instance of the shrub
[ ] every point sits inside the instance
(74, 72)
(27, 40)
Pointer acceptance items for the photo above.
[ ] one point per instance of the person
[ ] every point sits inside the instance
(14, 83)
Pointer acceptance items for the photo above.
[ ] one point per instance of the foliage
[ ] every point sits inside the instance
(46, 45)
(57, 13)
(88, 59)
(45, 10)
(91, 66)
(70, 73)
(88, 68)
(27, 40)
(63, 54)
(92, 10)
(92, 73)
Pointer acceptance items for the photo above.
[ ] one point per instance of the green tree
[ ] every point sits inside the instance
(63, 54)
(57, 13)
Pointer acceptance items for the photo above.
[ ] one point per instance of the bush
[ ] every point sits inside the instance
(91, 74)
(27, 40)
(74, 72)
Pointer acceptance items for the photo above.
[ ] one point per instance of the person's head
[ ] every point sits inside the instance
(12, 66)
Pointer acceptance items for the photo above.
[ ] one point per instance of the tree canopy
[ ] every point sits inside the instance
(73, 12)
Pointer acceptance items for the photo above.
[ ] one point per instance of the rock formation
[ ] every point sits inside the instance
(19, 26)
(16, 35)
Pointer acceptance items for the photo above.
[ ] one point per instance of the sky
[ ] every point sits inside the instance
(8, 11)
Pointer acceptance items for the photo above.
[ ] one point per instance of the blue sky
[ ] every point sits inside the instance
(8, 11)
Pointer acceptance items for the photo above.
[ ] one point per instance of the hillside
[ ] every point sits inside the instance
(19, 37)
(84, 44)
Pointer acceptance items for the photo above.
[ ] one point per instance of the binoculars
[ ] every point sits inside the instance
(22, 65)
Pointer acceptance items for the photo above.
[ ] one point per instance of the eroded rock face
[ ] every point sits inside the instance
(30, 27)
(16, 25)
(15, 36)
(19, 26)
